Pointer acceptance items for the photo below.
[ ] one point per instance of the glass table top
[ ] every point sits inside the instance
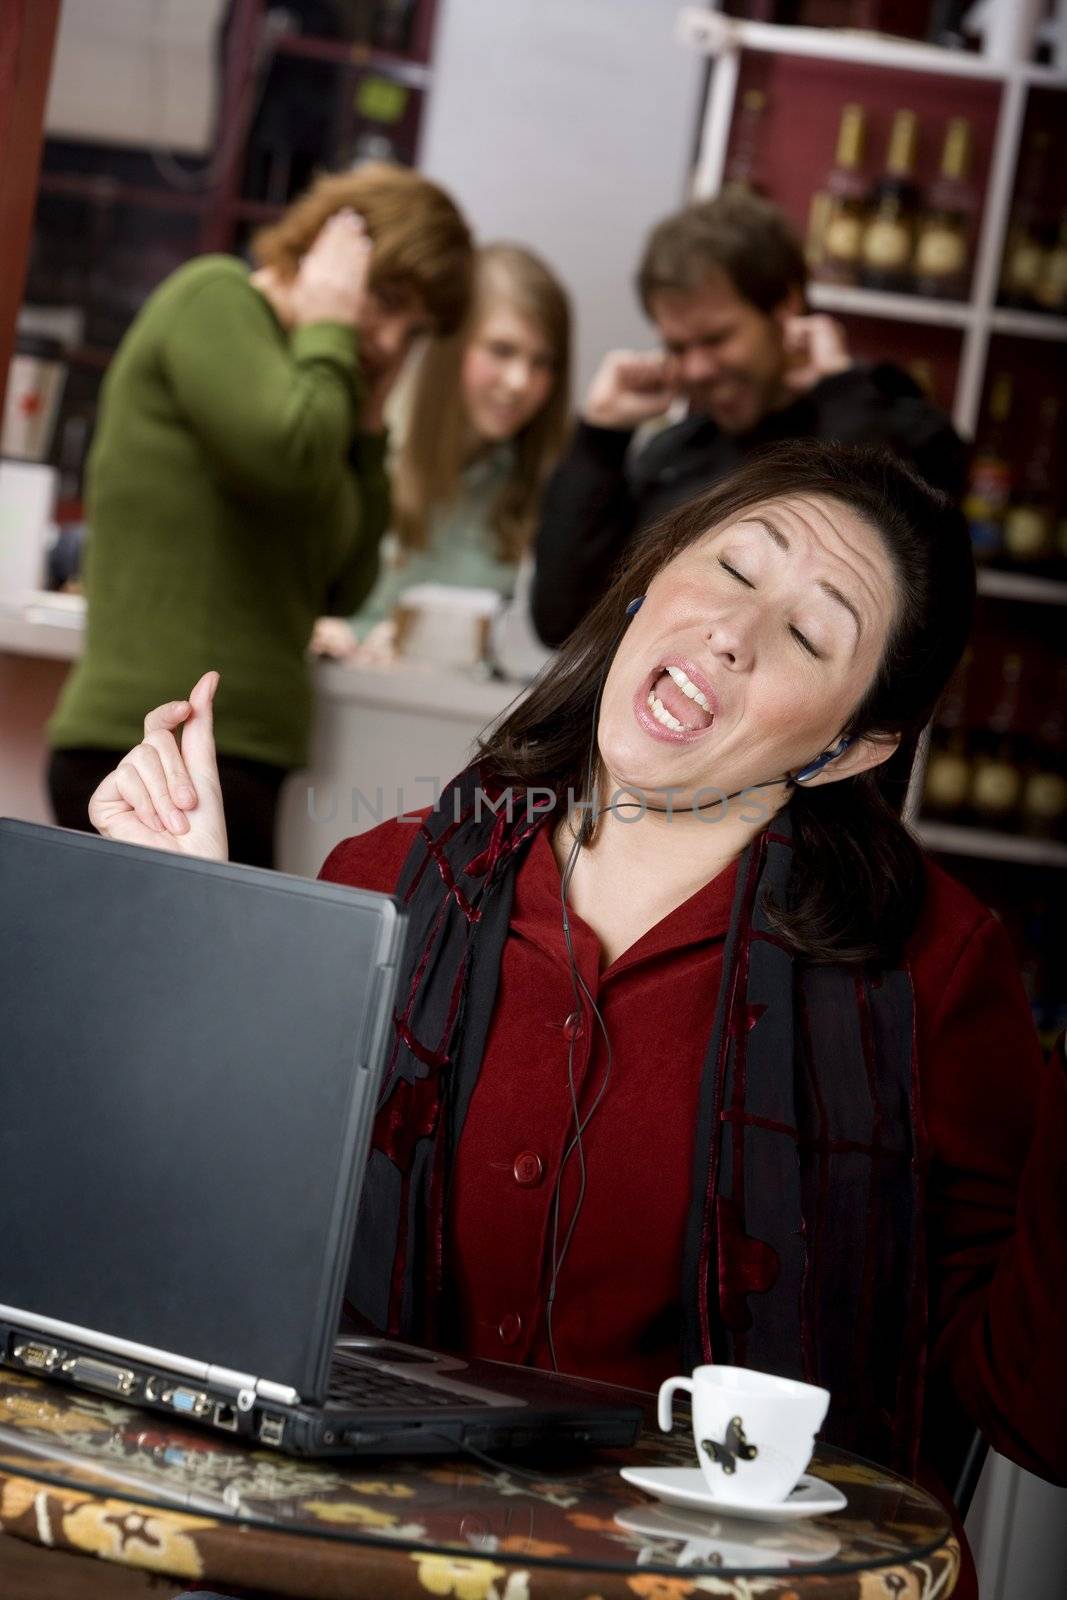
(576, 1514)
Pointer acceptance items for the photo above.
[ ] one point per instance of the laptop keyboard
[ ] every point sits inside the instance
(373, 1389)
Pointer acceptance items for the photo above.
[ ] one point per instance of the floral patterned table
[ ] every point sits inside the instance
(97, 1477)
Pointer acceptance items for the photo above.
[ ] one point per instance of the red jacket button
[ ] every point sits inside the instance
(510, 1327)
(528, 1170)
(572, 1028)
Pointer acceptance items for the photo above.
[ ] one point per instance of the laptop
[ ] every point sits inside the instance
(190, 1059)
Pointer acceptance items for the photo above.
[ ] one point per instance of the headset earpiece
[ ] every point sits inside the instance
(635, 605)
(824, 760)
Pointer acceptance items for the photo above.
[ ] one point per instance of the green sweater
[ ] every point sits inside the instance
(230, 503)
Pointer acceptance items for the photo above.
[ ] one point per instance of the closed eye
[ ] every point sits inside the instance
(726, 567)
(804, 643)
(802, 640)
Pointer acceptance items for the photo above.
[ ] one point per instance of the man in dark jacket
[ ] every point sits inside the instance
(724, 283)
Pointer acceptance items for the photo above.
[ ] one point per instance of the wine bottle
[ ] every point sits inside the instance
(1059, 554)
(921, 370)
(846, 205)
(949, 767)
(889, 237)
(943, 246)
(742, 169)
(1043, 807)
(996, 787)
(1030, 519)
(1050, 290)
(989, 482)
(1026, 248)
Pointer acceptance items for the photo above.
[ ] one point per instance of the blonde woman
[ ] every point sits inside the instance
(486, 419)
(237, 486)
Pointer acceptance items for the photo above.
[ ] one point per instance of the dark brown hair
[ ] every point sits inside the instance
(422, 245)
(748, 239)
(858, 875)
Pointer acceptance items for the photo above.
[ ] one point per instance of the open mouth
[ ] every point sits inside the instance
(677, 704)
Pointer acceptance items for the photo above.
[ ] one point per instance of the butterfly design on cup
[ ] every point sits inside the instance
(735, 1447)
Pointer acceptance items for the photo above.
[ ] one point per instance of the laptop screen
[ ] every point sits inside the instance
(189, 1058)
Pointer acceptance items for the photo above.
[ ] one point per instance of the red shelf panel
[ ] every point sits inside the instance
(344, 54)
(110, 192)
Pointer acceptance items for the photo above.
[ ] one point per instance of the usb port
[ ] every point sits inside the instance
(272, 1430)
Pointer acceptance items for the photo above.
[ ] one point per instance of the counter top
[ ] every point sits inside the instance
(52, 627)
(32, 625)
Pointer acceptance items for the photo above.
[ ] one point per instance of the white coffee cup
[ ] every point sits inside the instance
(754, 1432)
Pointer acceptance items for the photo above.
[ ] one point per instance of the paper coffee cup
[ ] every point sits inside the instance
(35, 382)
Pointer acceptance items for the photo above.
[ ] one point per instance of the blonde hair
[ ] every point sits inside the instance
(422, 246)
(431, 459)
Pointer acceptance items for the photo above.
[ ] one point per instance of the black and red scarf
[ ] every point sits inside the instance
(804, 1247)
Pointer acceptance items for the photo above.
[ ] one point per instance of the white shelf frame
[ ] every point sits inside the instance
(715, 35)
(724, 39)
(1029, 324)
(891, 307)
(1021, 586)
(986, 845)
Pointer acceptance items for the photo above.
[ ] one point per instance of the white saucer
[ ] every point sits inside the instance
(685, 1486)
(726, 1541)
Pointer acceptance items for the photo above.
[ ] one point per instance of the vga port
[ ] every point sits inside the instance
(191, 1402)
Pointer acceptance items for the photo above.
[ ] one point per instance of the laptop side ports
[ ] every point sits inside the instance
(272, 1430)
(225, 1417)
(100, 1374)
(38, 1357)
(188, 1402)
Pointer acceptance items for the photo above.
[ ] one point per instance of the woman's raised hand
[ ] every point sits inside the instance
(164, 795)
(331, 280)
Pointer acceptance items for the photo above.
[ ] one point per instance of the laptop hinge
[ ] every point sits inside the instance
(248, 1390)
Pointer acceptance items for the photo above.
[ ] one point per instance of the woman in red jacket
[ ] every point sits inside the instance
(696, 1056)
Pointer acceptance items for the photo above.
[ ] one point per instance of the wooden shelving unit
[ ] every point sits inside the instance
(414, 74)
(976, 321)
(725, 39)
(253, 45)
(127, 218)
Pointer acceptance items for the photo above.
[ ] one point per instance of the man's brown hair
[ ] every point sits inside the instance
(422, 246)
(747, 239)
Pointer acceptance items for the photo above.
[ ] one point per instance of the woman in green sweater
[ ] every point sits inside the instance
(236, 485)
